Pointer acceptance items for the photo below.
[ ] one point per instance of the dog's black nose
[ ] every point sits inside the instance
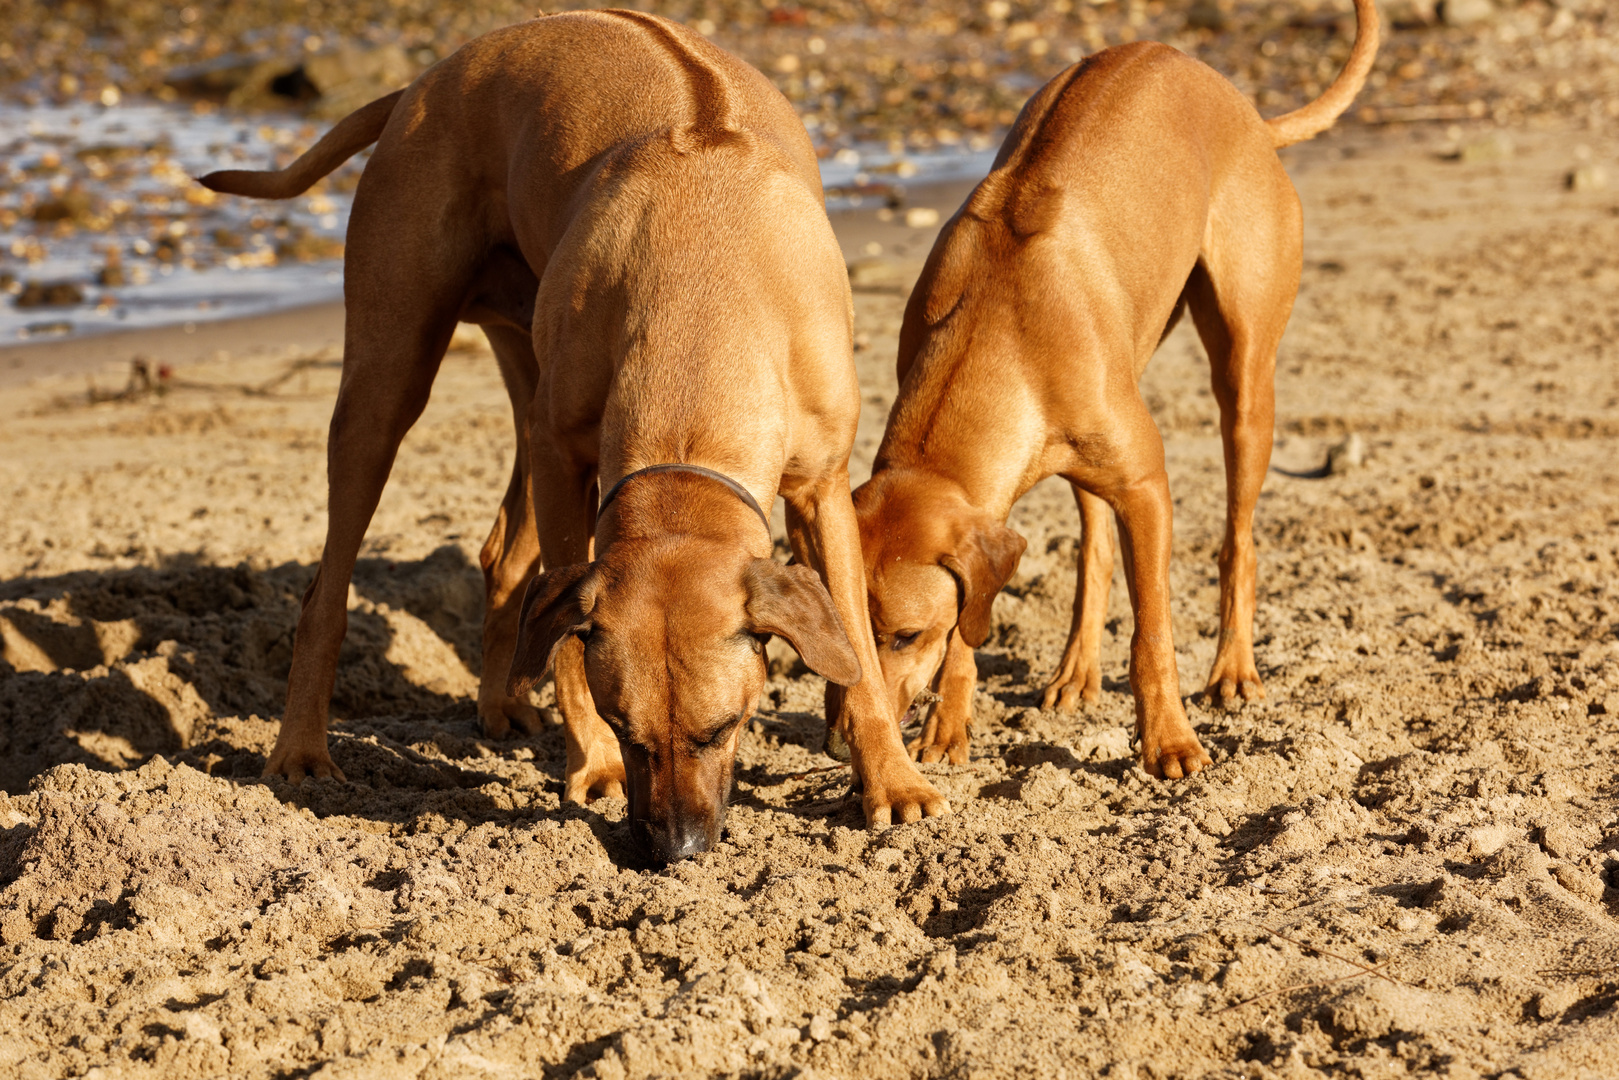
(674, 841)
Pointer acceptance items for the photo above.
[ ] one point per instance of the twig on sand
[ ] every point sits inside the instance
(815, 772)
(148, 379)
(1304, 986)
(1575, 972)
(301, 364)
(822, 808)
(267, 388)
(1365, 969)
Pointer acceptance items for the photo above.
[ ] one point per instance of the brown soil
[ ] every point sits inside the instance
(1428, 792)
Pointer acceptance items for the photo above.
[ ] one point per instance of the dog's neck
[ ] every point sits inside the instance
(991, 463)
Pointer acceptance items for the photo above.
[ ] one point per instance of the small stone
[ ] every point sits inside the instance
(1409, 13)
(1493, 147)
(50, 294)
(885, 858)
(1587, 178)
(1466, 12)
(1585, 886)
(1562, 842)
(1550, 1004)
(820, 1027)
(1205, 15)
(1488, 839)
(1346, 456)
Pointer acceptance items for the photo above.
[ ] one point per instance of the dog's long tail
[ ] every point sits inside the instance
(356, 131)
(1318, 115)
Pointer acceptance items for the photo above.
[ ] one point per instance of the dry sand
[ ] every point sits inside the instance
(1428, 793)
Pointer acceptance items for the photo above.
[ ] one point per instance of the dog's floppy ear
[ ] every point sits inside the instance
(983, 562)
(791, 602)
(558, 603)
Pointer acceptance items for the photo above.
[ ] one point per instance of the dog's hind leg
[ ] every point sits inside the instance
(511, 556)
(401, 294)
(1080, 675)
(1240, 296)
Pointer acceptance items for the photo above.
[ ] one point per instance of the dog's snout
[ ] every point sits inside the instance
(672, 841)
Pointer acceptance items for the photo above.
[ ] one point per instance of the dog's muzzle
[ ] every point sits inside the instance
(676, 840)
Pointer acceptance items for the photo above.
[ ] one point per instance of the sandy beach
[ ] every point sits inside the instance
(1405, 860)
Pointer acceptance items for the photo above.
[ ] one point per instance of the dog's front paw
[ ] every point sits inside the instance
(1076, 681)
(295, 759)
(503, 713)
(599, 774)
(902, 795)
(1234, 679)
(943, 736)
(1171, 751)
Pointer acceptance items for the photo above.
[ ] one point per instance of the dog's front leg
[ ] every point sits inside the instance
(1169, 747)
(565, 518)
(822, 528)
(595, 764)
(944, 732)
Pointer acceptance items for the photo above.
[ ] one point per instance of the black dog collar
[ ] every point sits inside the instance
(736, 489)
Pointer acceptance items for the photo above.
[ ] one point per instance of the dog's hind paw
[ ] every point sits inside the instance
(502, 714)
(296, 762)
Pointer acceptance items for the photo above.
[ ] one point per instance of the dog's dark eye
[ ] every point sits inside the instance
(716, 735)
(904, 641)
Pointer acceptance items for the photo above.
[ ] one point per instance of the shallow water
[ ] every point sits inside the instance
(118, 181)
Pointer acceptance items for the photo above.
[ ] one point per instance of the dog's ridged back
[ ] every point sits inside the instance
(712, 96)
(717, 116)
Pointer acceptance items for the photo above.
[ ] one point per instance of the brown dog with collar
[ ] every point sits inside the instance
(635, 217)
(1136, 184)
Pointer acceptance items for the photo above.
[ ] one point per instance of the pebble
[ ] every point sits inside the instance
(1587, 178)
(1493, 147)
(1346, 456)
(1585, 886)
(1466, 12)
(50, 294)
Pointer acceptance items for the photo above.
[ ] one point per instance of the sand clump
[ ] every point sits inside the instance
(1428, 790)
